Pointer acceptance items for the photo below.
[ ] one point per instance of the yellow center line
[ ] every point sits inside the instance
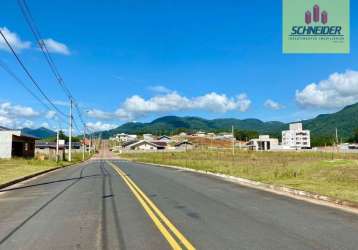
(148, 206)
(151, 214)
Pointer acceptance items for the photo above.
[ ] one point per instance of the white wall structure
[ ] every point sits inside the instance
(143, 145)
(123, 137)
(296, 137)
(164, 138)
(14, 144)
(263, 143)
(5, 144)
(148, 137)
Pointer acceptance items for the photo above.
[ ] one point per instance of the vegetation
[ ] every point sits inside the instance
(61, 136)
(322, 141)
(11, 169)
(245, 135)
(331, 174)
(354, 138)
(322, 127)
(39, 132)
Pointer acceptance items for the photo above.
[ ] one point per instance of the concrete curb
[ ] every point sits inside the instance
(315, 198)
(16, 181)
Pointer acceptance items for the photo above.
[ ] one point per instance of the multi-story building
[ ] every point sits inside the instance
(296, 137)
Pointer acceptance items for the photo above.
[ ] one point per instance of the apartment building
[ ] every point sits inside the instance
(296, 137)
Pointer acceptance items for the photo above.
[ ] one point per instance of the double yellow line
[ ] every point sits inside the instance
(159, 219)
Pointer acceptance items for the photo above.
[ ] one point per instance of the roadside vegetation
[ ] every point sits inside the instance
(11, 169)
(330, 174)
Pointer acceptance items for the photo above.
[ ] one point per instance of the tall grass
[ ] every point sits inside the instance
(11, 169)
(332, 174)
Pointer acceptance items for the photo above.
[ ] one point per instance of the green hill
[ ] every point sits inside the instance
(175, 124)
(345, 120)
(39, 132)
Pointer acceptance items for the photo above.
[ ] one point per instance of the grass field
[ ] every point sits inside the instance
(16, 168)
(335, 175)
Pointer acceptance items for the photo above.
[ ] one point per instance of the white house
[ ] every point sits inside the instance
(263, 143)
(148, 137)
(224, 136)
(123, 137)
(184, 145)
(296, 137)
(200, 134)
(144, 145)
(164, 138)
(13, 143)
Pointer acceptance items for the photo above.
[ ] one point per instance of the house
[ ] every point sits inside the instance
(148, 137)
(164, 138)
(123, 137)
(263, 143)
(14, 143)
(296, 137)
(184, 145)
(48, 149)
(183, 134)
(161, 144)
(224, 136)
(145, 145)
(200, 134)
(126, 145)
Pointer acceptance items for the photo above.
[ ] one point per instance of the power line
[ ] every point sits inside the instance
(42, 45)
(29, 75)
(6, 68)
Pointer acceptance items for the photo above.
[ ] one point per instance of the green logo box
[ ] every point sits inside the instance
(316, 27)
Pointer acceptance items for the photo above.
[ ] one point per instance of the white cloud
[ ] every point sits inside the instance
(99, 114)
(339, 90)
(17, 116)
(45, 125)
(15, 111)
(51, 114)
(136, 106)
(27, 124)
(14, 40)
(6, 122)
(273, 105)
(99, 126)
(55, 46)
(159, 89)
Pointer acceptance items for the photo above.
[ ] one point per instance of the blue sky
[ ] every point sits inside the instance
(138, 60)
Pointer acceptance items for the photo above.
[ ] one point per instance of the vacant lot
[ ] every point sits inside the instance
(335, 175)
(17, 168)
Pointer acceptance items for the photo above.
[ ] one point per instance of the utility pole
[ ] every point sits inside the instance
(70, 135)
(233, 140)
(337, 142)
(84, 144)
(57, 138)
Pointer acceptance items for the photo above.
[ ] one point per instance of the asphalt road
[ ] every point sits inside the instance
(117, 205)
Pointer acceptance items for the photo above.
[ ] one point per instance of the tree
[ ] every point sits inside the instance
(62, 135)
(319, 141)
(245, 135)
(354, 138)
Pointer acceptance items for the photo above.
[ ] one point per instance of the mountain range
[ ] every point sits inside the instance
(324, 125)
(39, 132)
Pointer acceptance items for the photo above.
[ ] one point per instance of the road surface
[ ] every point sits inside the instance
(116, 204)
